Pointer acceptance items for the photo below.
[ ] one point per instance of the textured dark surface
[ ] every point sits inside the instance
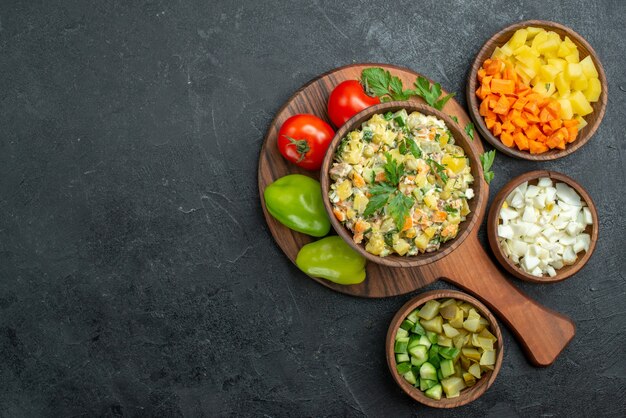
(137, 277)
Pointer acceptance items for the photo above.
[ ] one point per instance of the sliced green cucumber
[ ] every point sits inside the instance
(419, 354)
(410, 377)
(401, 333)
(407, 325)
(428, 371)
(401, 344)
(434, 392)
(424, 341)
(426, 384)
(435, 360)
(451, 353)
(402, 358)
(413, 316)
(447, 368)
(413, 341)
(403, 368)
(418, 329)
(432, 337)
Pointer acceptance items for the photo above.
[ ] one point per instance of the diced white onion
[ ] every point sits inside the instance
(542, 226)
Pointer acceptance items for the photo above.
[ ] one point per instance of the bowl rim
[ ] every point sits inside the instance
(479, 186)
(493, 221)
(468, 395)
(479, 122)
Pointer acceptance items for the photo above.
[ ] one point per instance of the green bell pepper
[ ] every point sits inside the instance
(332, 259)
(296, 202)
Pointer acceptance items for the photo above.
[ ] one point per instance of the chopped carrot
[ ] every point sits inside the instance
(519, 122)
(481, 74)
(507, 139)
(339, 215)
(531, 118)
(493, 67)
(357, 180)
(508, 127)
(536, 147)
(502, 106)
(573, 131)
(439, 216)
(408, 224)
(484, 108)
(545, 116)
(518, 115)
(503, 86)
(360, 226)
(510, 74)
(532, 132)
(521, 141)
(520, 103)
(556, 123)
(532, 107)
(496, 129)
(380, 176)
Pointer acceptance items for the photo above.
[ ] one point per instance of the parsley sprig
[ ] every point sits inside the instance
(486, 159)
(386, 194)
(469, 130)
(431, 93)
(381, 83)
(438, 168)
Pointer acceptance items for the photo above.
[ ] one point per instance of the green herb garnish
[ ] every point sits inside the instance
(469, 130)
(431, 93)
(486, 159)
(450, 209)
(367, 135)
(342, 146)
(381, 83)
(393, 171)
(440, 169)
(399, 208)
(375, 203)
(454, 118)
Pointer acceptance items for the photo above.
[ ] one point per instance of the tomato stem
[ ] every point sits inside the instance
(302, 146)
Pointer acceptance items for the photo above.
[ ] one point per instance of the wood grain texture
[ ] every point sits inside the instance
(494, 219)
(593, 119)
(467, 395)
(461, 139)
(542, 332)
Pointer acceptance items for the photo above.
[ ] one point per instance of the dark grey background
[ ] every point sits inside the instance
(137, 276)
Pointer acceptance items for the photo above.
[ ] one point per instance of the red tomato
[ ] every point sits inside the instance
(304, 139)
(346, 100)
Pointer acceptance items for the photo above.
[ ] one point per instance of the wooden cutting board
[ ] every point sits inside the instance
(542, 332)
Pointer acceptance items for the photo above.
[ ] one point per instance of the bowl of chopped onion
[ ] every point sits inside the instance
(543, 226)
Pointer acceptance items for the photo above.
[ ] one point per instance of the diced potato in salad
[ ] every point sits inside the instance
(400, 184)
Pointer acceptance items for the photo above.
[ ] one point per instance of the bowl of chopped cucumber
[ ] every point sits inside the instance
(444, 348)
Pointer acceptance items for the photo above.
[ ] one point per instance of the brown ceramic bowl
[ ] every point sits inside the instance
(461, 139)
(467, 395)
(494, 220)
(593, 119)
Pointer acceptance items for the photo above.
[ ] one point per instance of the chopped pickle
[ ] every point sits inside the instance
(444, 346)
(433, 325)
(430, 310)
(452, 386)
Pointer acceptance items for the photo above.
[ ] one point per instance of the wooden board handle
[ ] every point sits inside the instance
(542, 332)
